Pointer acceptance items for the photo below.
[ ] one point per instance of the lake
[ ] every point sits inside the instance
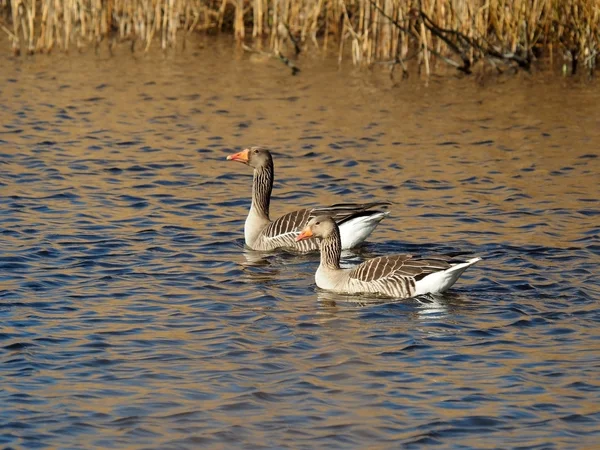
(133, 317)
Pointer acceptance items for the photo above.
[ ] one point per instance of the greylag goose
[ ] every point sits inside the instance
(398, 276)
(355, 221)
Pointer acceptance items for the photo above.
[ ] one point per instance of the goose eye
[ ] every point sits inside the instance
(255, 151)
(317, 223)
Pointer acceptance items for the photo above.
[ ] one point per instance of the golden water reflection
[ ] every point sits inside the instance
(133, 317)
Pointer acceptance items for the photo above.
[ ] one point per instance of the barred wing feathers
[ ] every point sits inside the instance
(282, 232)
(395, 276)
(402, 265)
(342, 212)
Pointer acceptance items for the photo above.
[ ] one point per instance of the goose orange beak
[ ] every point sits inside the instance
(241, 156)
(306, 233)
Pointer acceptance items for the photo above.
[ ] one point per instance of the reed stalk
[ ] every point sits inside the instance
(424, 34)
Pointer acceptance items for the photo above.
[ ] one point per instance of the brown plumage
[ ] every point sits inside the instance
(357, 220)
(398, 276)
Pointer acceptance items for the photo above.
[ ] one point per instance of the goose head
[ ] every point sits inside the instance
(254, 157)
(318, 227)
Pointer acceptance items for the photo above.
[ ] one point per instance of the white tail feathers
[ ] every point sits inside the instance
(356, 230)
(441, 281)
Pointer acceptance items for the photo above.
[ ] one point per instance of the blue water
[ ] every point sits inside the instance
(132, 316)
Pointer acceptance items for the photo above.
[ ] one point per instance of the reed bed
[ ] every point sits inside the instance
(426, 34)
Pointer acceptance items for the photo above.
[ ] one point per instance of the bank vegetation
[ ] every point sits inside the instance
(425, 34)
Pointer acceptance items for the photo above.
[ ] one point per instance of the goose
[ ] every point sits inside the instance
(355, 221)
(398, 276)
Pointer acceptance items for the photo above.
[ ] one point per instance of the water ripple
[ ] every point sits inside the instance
(134, 317)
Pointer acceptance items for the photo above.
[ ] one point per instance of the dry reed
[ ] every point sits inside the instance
(423, 33)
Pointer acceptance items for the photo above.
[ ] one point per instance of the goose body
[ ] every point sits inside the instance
(398, 276)
(355, 221)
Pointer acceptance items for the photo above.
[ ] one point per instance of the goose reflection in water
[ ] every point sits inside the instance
(260, 267)
(423, 307)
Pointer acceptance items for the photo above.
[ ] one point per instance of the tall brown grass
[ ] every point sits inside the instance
(423, 33)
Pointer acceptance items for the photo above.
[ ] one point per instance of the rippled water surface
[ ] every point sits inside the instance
(133, 317)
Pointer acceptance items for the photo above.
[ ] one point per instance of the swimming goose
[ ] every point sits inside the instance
(399, 276)
(355, 221)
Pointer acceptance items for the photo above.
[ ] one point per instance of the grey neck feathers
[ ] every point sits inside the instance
(331, 249)
(262, 186)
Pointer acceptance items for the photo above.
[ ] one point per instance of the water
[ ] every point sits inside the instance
(132, 317)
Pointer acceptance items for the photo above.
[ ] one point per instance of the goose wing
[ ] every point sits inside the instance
(292, 223)
(342, 212)
(282, 232)
(398, 266)
(287, 227)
